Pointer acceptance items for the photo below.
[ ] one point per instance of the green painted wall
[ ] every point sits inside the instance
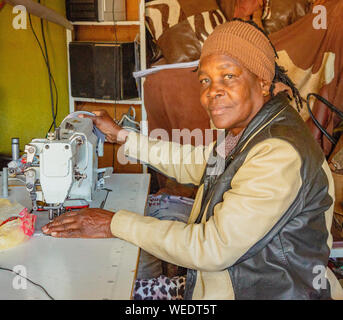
(25, 109)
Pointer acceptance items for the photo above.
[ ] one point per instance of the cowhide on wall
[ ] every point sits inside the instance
(282, 14)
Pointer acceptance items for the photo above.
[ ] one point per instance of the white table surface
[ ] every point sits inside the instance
(78, 268)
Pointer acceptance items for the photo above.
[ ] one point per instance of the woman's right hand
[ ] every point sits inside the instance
(103, 121)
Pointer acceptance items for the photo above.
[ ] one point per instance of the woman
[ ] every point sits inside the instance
(260, 224)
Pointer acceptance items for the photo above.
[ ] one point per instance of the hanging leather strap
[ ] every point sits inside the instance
(316, 122)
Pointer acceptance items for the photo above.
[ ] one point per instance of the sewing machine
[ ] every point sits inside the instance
(61, 172)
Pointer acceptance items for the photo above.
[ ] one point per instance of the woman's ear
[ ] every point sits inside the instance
(265, 87)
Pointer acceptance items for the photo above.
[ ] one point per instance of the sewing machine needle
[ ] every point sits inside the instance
(104, 201)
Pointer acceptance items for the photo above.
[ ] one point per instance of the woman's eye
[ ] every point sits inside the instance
(228, 76)
(204, 81)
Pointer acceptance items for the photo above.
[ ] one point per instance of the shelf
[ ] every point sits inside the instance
(138, 27)
(106, 23)
(135, 101)
(140, 23)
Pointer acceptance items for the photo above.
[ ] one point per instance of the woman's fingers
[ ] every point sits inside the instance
(63, 227)
(61, 220)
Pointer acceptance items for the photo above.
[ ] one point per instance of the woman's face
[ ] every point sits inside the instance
(229, 92)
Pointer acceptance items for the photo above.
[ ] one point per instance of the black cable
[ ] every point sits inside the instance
(49, 73)
(51, 78)
(316, 122)
(46, 62)
(115, 32)
(34, 283)
(114, 25)
(54, 114)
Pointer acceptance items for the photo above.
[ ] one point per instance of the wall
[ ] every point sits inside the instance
(25, 109)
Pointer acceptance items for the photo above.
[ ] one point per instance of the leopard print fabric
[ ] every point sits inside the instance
(161, 288)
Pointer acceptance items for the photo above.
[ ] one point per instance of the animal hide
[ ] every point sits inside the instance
(313, 59)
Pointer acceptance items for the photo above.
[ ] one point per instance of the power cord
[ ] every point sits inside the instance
(115, 34)
(50, 76)
(114, 19)
(34, 283)
(54, 105)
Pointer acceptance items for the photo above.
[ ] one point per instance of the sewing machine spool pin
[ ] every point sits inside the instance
(15, 149)
(5, 182)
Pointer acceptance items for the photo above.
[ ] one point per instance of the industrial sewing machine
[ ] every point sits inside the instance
(61, 172)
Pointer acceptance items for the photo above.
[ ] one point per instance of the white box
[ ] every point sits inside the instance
(112, 10)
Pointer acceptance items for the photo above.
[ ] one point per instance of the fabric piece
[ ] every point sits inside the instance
(9, 209)
(169, 207)
(284, 13)
(96, 131)
(180, 43)
(227, 7)
(27, 222)
(204, 23)
(16, 227)
(162, 207)
(180, 27)
(172, 101)
(161, 288)
(191, 8)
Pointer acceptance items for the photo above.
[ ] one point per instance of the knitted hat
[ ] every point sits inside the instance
(246, 44)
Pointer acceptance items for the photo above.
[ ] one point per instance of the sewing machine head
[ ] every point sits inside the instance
(61, 171)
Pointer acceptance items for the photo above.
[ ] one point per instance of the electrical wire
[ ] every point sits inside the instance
(54, 114)
(51, 78)
(47, 63)
(115, 35)
(114, 26)
(49, 73)
(29, 280)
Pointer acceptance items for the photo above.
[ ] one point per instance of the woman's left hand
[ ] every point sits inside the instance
(86, 223)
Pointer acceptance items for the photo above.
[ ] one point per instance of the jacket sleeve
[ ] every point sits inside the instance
(185, 163)
(262, 190)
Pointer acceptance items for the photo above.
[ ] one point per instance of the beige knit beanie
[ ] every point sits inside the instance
(244, 43)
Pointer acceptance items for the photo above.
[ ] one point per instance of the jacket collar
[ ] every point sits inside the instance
(269, 110)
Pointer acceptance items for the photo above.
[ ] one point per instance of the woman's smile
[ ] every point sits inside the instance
(217, 111)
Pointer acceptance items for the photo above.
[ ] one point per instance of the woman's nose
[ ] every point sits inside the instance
(215, 91)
